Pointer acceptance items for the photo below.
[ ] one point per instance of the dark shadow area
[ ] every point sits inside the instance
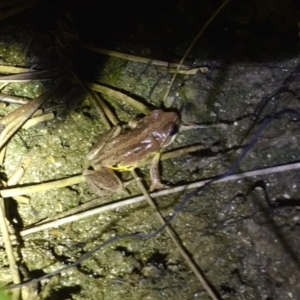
(64, 293)
(252, 31)
(244, 31)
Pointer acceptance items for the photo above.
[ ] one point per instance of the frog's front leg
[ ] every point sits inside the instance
(103, 181)
(155, 174)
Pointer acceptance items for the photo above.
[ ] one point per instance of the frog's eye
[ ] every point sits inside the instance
(172, 134)
(174, 129)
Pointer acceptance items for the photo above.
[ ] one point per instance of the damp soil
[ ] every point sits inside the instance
(241, 234)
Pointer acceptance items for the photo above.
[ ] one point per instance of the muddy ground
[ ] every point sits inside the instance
(243, 235)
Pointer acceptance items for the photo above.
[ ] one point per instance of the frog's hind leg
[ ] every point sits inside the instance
(103, 181)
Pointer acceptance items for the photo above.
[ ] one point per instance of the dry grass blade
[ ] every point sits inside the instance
(17, 118)
(134, 58)
(190, 71)
(9, 249)
(13, 70)
(2, 155)
(120, 96)
(36, 75)
(37, 120)
(14, 268)
(19, 172)
(12, 99)
(105, 108)
(42, 186)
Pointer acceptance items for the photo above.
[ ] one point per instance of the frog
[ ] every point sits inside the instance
(123, 150)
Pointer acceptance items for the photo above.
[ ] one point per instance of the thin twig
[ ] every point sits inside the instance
(175, 240)
(192, 45)
(173, 154)
(121, 203)
(190, 71)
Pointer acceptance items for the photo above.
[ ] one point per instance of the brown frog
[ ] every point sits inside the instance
(124, 151)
